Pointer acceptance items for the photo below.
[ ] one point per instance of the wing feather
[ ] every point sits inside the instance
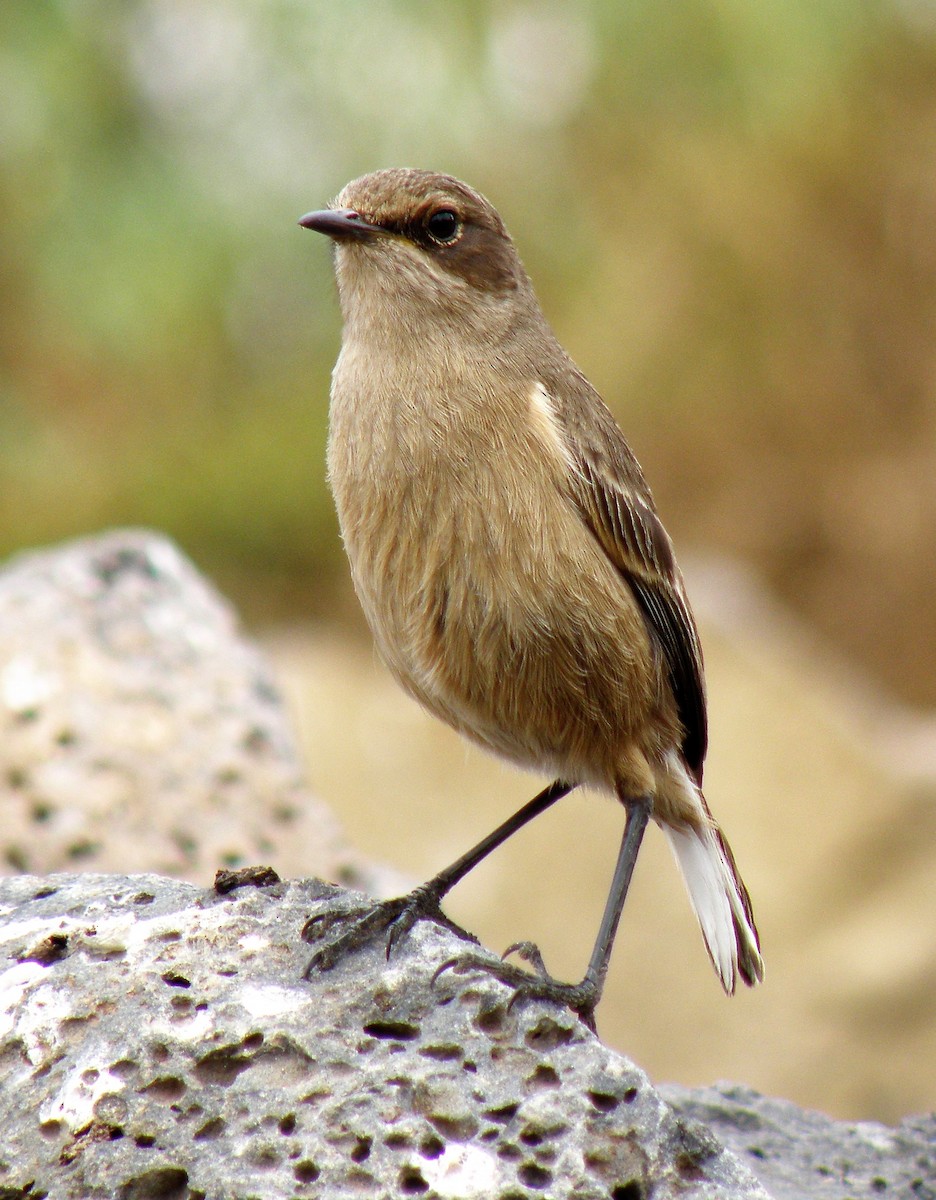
(616, 504)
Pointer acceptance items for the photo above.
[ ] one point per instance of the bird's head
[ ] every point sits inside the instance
(417, 245)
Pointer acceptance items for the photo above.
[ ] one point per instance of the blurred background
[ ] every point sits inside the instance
(728, 211)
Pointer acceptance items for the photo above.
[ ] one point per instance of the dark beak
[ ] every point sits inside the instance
(343, 224)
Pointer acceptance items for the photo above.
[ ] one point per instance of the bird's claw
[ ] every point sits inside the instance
(361, 926)
(581, 998)
(399, 915)
(529, 952)
(317, 926)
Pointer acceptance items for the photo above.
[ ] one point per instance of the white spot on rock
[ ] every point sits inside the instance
(268, 1001)
(462, 1171)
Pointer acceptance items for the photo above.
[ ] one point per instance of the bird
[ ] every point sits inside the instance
(509, 558)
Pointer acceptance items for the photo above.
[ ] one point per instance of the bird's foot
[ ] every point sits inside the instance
(582, 998)
(358, 926)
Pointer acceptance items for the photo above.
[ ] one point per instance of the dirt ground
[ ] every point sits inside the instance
(826, 790)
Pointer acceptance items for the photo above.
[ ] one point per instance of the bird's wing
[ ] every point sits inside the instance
(609, 488)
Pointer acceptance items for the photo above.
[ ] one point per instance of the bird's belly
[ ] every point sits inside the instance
(517, 632)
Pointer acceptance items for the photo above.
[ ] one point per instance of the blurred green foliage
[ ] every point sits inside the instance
(727, 208)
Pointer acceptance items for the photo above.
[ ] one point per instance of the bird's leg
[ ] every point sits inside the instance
(400, 914)
(582, 997)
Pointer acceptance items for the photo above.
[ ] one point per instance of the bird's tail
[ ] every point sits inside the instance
(720, 900)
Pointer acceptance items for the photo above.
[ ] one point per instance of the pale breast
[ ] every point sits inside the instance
(488, 597)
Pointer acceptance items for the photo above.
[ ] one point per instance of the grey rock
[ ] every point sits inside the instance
(797, 1153)
(159, 1040)
(139, 730)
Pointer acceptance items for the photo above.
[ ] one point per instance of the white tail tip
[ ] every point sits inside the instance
(721, 903)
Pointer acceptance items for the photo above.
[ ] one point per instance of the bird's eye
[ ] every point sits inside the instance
(443, 226)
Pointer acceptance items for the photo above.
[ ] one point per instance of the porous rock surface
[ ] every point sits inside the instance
(158, 1040)
(139, 730)
(799, 1154)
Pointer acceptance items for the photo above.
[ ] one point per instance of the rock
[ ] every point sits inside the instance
(159, 1040)
(826, 789)
(797, 1153)
(138, 729)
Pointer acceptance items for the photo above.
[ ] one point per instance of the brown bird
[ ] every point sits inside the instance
(508, 556)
